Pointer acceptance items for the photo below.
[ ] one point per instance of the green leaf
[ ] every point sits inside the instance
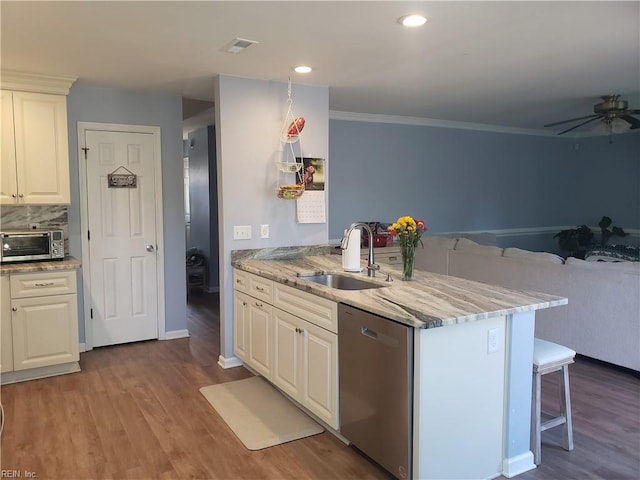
(605, 222)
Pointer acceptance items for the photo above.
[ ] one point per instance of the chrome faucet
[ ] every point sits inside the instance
(371, 264)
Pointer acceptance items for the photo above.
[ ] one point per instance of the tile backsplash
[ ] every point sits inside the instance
(19, 217)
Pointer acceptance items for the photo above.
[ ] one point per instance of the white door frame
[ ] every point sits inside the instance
(83, 127)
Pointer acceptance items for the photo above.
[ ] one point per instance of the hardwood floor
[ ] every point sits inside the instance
(135, 412)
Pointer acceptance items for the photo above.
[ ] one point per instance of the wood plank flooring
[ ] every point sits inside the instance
(135, 412)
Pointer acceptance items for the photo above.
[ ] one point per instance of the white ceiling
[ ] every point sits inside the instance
(508, 64)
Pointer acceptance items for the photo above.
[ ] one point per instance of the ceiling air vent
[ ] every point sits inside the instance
(238, 45)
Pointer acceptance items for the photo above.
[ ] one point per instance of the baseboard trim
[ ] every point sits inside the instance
(39, 372)
(230, 362)
(174, 334)
(516, 465)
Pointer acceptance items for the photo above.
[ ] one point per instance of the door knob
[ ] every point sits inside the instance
(150, 248)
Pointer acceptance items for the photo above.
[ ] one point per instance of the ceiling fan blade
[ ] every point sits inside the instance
(581, 124)
(633, 111)
(572, 120)
(634, 122)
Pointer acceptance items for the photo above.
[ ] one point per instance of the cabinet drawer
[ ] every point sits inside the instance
(314, 309)
(240, 281)
(25, 285)
(260, 288)
(387, 255)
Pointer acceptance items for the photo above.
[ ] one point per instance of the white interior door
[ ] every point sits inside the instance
(122, 238)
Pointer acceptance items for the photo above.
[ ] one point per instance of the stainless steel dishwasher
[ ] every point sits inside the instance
(376, 387)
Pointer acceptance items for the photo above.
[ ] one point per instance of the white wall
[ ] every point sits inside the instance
(249, 117)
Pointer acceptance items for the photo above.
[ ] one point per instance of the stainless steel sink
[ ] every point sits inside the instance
(340, 282)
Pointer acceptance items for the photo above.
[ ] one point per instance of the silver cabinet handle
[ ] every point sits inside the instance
(367, 332)
(150, 248)
(14, 309)
(21, 195)
(259, 305)
(48, 284)
(260, 289)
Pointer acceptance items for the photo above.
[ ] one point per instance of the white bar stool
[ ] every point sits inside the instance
(550, 357)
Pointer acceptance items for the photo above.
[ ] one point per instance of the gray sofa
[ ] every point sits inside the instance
(602, 319)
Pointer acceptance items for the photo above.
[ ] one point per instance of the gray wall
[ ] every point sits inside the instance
(108, 105)
(249, 116)
(203, 199)
(466, 180)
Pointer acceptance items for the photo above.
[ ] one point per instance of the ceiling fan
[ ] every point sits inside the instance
(608, 110)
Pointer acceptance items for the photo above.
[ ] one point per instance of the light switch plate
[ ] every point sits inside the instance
(493, 340)
(264, 230)
(241, 232)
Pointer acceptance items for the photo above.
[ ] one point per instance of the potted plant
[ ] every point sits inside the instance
(578, 241)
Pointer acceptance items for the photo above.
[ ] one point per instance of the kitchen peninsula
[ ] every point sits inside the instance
(472, 357)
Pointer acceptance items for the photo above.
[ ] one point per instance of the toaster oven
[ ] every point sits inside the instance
(30, 245)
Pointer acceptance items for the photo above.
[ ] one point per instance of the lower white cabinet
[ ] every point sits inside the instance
(260, 342)
(6, 338)
(252, 325)
(305, 365)
(40, 329)
(42, 334)
(289, 337)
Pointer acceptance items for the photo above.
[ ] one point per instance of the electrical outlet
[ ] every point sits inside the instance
(241, 232)
(34, 226)
(264, 230)
(493, 340)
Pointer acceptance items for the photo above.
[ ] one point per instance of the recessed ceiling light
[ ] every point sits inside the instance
(303, 69)
(412, 20)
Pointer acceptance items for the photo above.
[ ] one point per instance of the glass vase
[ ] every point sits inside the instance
(408, 255)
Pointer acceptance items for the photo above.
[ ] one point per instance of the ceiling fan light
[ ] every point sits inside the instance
(413, 20)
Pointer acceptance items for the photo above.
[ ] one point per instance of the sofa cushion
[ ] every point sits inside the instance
(532, 256)
(438, 241)
(471, 246)
(624, 267)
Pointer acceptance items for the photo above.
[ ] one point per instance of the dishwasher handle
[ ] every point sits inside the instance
(367, 332)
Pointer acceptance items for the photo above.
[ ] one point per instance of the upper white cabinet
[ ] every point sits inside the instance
(34, 151)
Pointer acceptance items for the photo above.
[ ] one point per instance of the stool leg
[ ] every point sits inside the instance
(536, 439)
(565, 405)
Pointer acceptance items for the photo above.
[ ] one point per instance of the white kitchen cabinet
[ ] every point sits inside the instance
(305, 364)
(241, 303)
(6, 338)
(35, 152)
(44, 319)
(252, 324)
(290, 337)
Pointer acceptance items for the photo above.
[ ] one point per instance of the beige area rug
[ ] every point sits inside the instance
(258, 414)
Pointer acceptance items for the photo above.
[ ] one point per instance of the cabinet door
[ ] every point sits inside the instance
(287, 367)
(241, 325)
(45, 331)
(6, 338)
(260, 339)
(42, 150)
(8, 181)
(320, 389)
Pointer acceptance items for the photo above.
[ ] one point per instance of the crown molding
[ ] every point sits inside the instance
(29, 82)
(483, 127)
(432, 122)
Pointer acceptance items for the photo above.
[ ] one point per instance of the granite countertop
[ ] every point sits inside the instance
(67, 263)
(430, 300)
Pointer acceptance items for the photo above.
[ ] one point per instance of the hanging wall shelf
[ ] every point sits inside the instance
(290, 178)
